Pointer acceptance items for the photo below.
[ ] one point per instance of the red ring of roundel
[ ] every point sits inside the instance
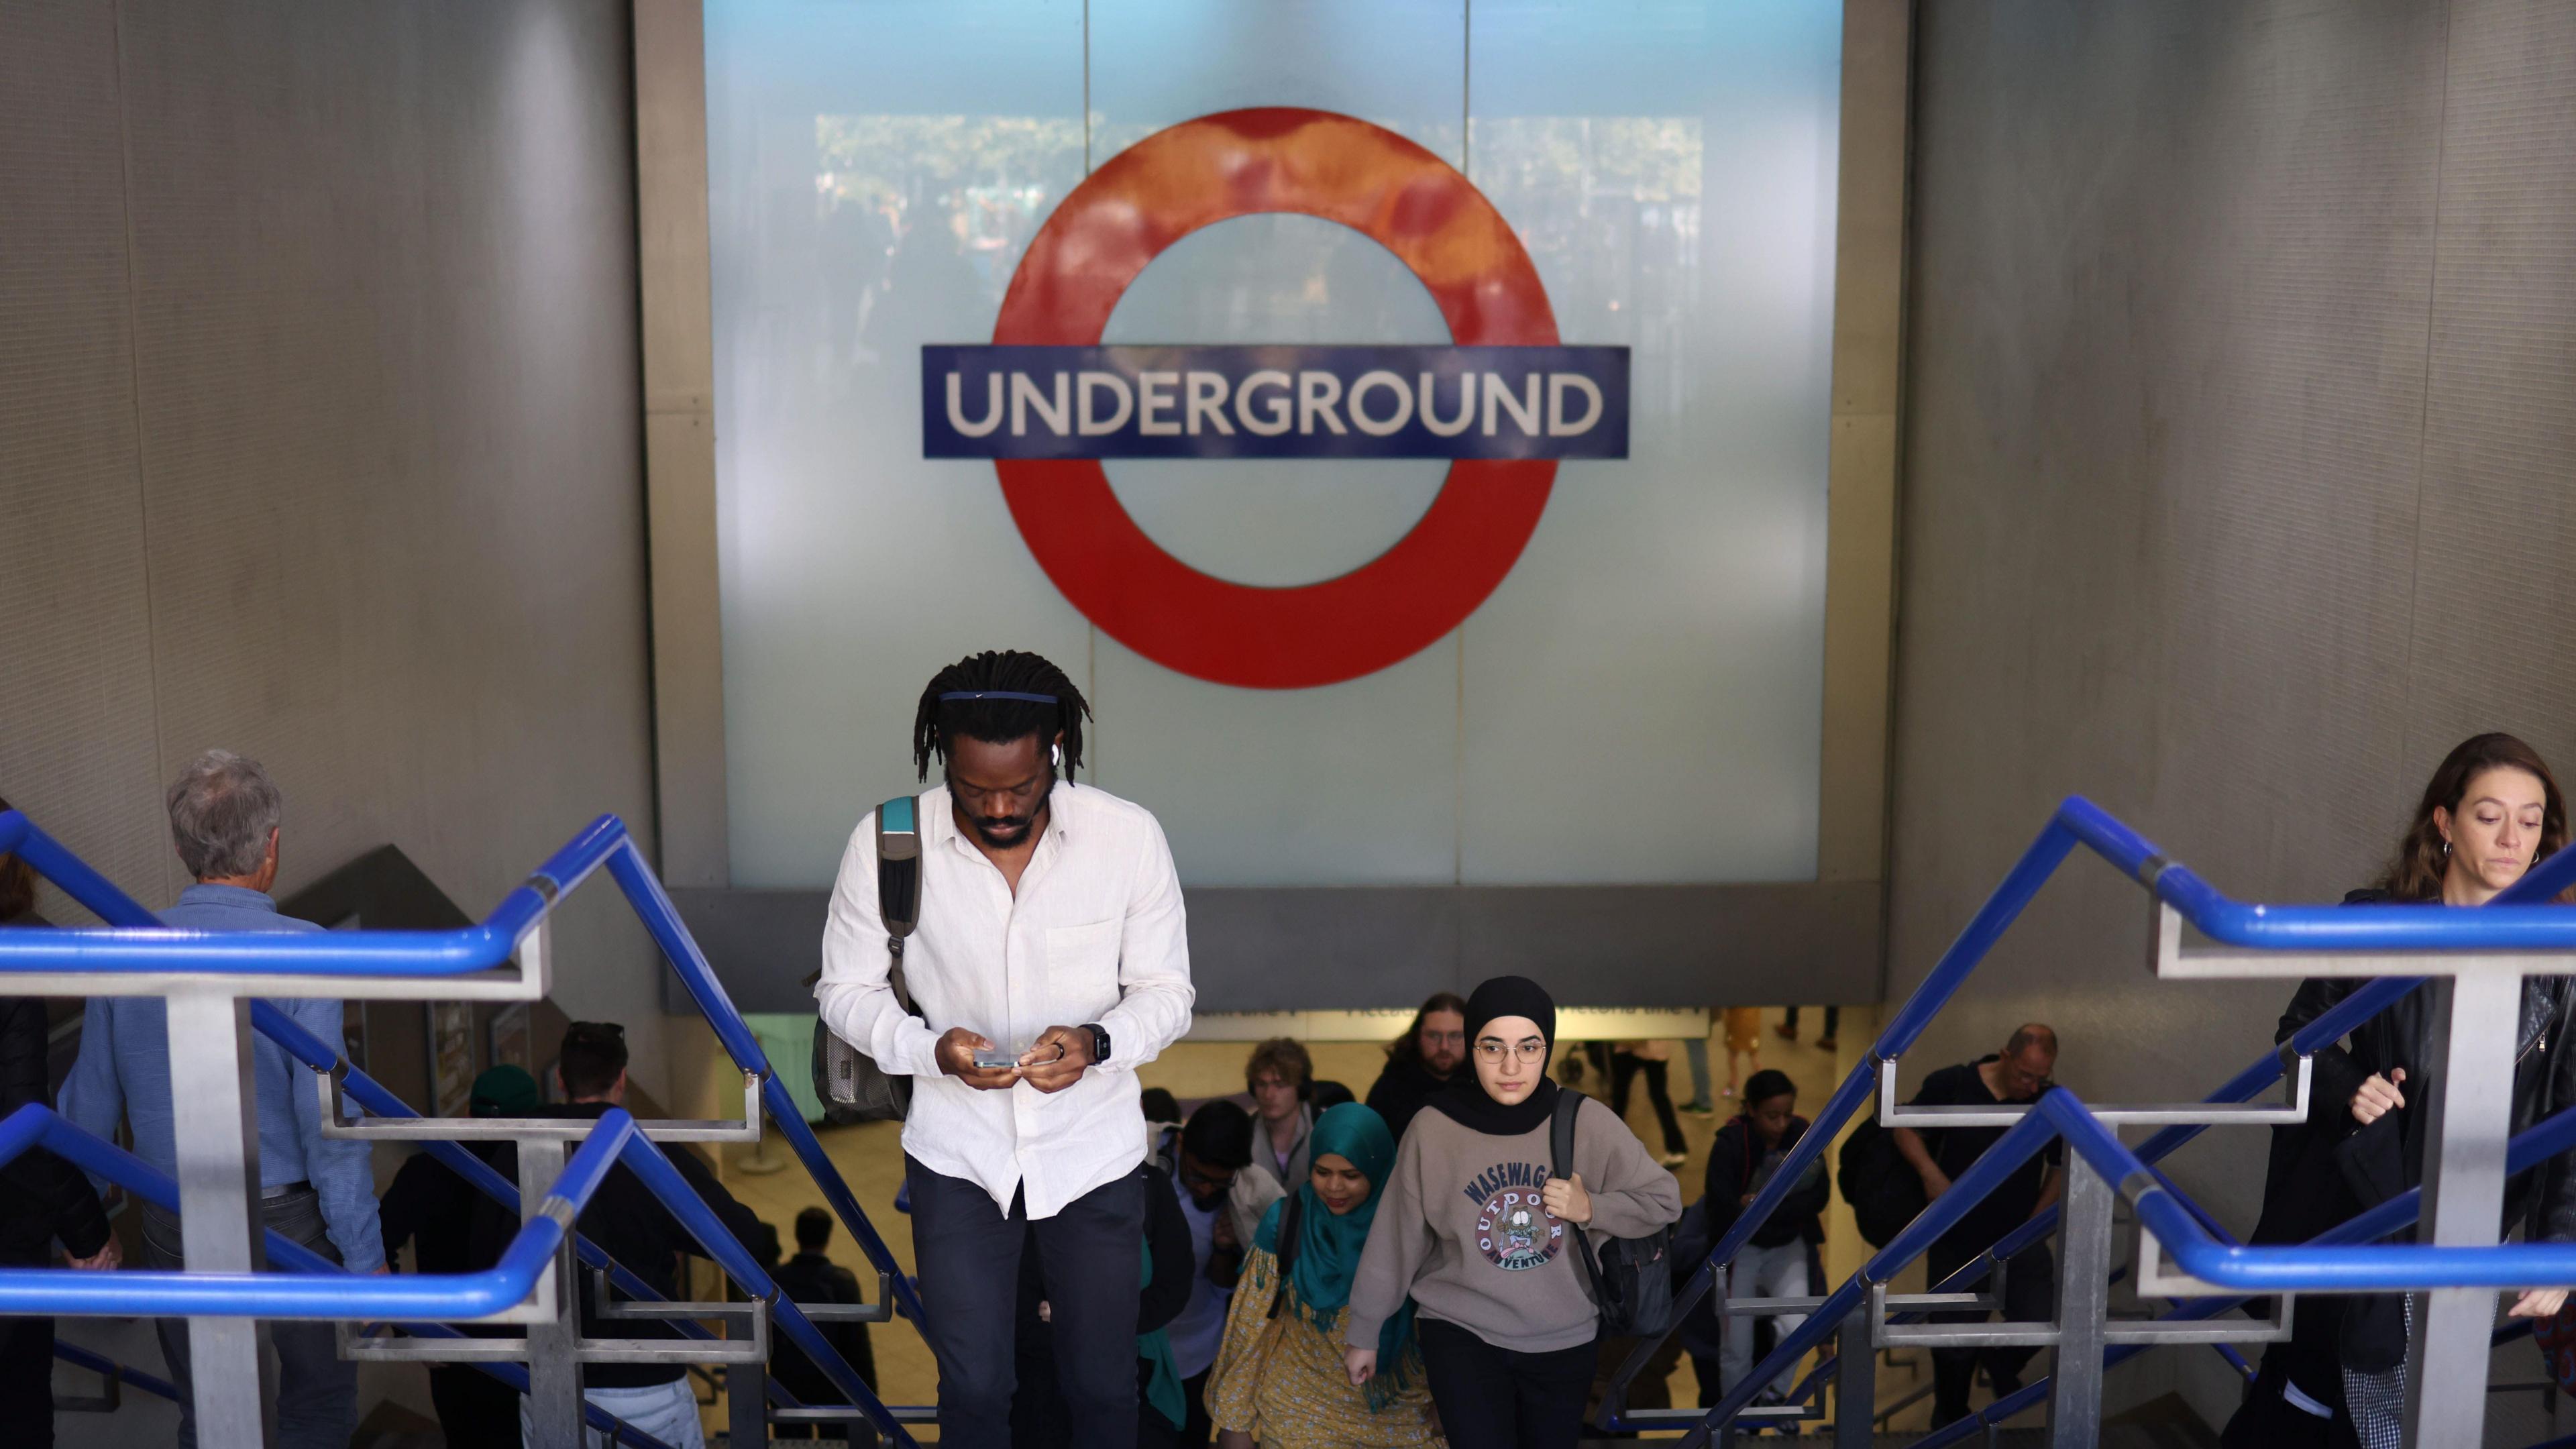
(1238, 163)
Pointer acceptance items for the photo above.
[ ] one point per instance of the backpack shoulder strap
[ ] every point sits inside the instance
(899, 865)
(1290, 1212)
(899, 884)
(1560, 1132)
(1560, 1151)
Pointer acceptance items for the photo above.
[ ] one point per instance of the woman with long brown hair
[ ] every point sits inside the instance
(2490, 813)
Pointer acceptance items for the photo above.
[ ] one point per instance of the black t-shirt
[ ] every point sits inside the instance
(1954, 1148)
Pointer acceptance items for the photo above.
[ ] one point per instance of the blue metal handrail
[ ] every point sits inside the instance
(99, 1363)
(2538, 1143)
(156, 947)
(156, 1187)
(289, 1295)
(643, 1156)
(2516, 919)
(604, 842)
(102, 898)
(2077, 821)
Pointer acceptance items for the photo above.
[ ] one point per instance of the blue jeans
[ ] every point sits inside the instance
(1696, 1048)
(968, 1254)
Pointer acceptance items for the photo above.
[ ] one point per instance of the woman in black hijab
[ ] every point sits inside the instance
(1475, 1228)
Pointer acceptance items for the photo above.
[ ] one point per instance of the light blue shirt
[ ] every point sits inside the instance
(124, 1070)
(1198, 1331)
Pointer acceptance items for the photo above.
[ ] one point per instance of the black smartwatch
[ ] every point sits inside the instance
(1099, 1041)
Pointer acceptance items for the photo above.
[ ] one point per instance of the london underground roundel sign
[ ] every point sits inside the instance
(1047, 402)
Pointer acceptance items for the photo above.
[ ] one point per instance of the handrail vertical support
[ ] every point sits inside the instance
(215, 1128)
(554, 1371)
(2469, 1095)
(1855, 1382)
(747, 1404)
(2083, 1303)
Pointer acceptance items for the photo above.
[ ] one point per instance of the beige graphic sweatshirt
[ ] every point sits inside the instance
(1461, 1228)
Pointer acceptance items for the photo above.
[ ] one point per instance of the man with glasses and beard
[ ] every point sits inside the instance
(1421, 1062)
(1049, 961)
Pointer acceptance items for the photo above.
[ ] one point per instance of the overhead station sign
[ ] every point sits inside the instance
(1046, 401)
(1274, 402)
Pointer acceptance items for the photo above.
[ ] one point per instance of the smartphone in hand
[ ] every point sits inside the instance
(996, 1059)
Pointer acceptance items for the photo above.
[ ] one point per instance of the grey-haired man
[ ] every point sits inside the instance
(321, 1192)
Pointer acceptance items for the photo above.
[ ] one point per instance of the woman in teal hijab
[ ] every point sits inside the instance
(1279, 1378)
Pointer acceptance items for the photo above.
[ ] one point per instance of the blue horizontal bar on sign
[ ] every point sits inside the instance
(1274, 402)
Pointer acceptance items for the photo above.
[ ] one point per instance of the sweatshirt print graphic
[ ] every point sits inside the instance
(1514, 1229)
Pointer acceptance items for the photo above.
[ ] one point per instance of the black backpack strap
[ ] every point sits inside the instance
(899, 866)
(1290, 1214)
(1560, 1152)
(899, 882)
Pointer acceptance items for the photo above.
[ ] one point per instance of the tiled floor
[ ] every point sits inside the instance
(871, 1157)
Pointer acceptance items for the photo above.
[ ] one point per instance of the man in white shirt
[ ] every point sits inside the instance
(1051, 940)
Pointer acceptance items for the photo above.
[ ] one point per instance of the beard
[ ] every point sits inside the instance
(1005, 832)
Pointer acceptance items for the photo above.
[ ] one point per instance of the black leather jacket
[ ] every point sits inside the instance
(2544, 1083)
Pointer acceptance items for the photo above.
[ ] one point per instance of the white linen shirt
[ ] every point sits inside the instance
(1096, 934)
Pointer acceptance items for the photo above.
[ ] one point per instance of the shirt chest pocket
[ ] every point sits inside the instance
(1082, 971)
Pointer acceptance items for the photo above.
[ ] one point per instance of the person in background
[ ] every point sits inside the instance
(812, 1277)
(1214, 1147)
(1281, 1378)
(2491, 811)
(432, 1208)
(1328, 1094)
(1702, 1102)
(1788, 1028)
(630, 1224)
(1162, 1110)
(1773, 1262)
(319, 1191)
(2017, 1074)
(1040, 1416)
(1475, 1229)
(1051, 919)
(42, 1197)
(1652, 1060)
(1421, 1062)
(1280, 1077)
(1743, 1044)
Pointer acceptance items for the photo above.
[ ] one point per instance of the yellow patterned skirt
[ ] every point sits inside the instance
(1281, 1379)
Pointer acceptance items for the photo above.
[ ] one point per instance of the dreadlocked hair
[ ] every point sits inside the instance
(998, 721)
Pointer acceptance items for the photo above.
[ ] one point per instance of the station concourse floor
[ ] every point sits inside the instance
(870, 1155)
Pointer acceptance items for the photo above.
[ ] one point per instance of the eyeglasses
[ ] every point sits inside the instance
(1492, 1049)
(1217, 1181)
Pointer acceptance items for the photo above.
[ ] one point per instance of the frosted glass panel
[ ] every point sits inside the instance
(872, 173)
(1637, 702)
(1660, 646)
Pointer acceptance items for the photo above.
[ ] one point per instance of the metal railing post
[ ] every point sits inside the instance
(215, 1128)
(2469, 1091)
(747, 1404)
(554, 1372)
(1855, 1384)
(2083, 1303)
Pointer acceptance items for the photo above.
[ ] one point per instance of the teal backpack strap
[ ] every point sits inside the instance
(899, 868)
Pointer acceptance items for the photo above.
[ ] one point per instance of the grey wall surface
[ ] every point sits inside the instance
(319, 437)
(1327, 948)
(2242, 407)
